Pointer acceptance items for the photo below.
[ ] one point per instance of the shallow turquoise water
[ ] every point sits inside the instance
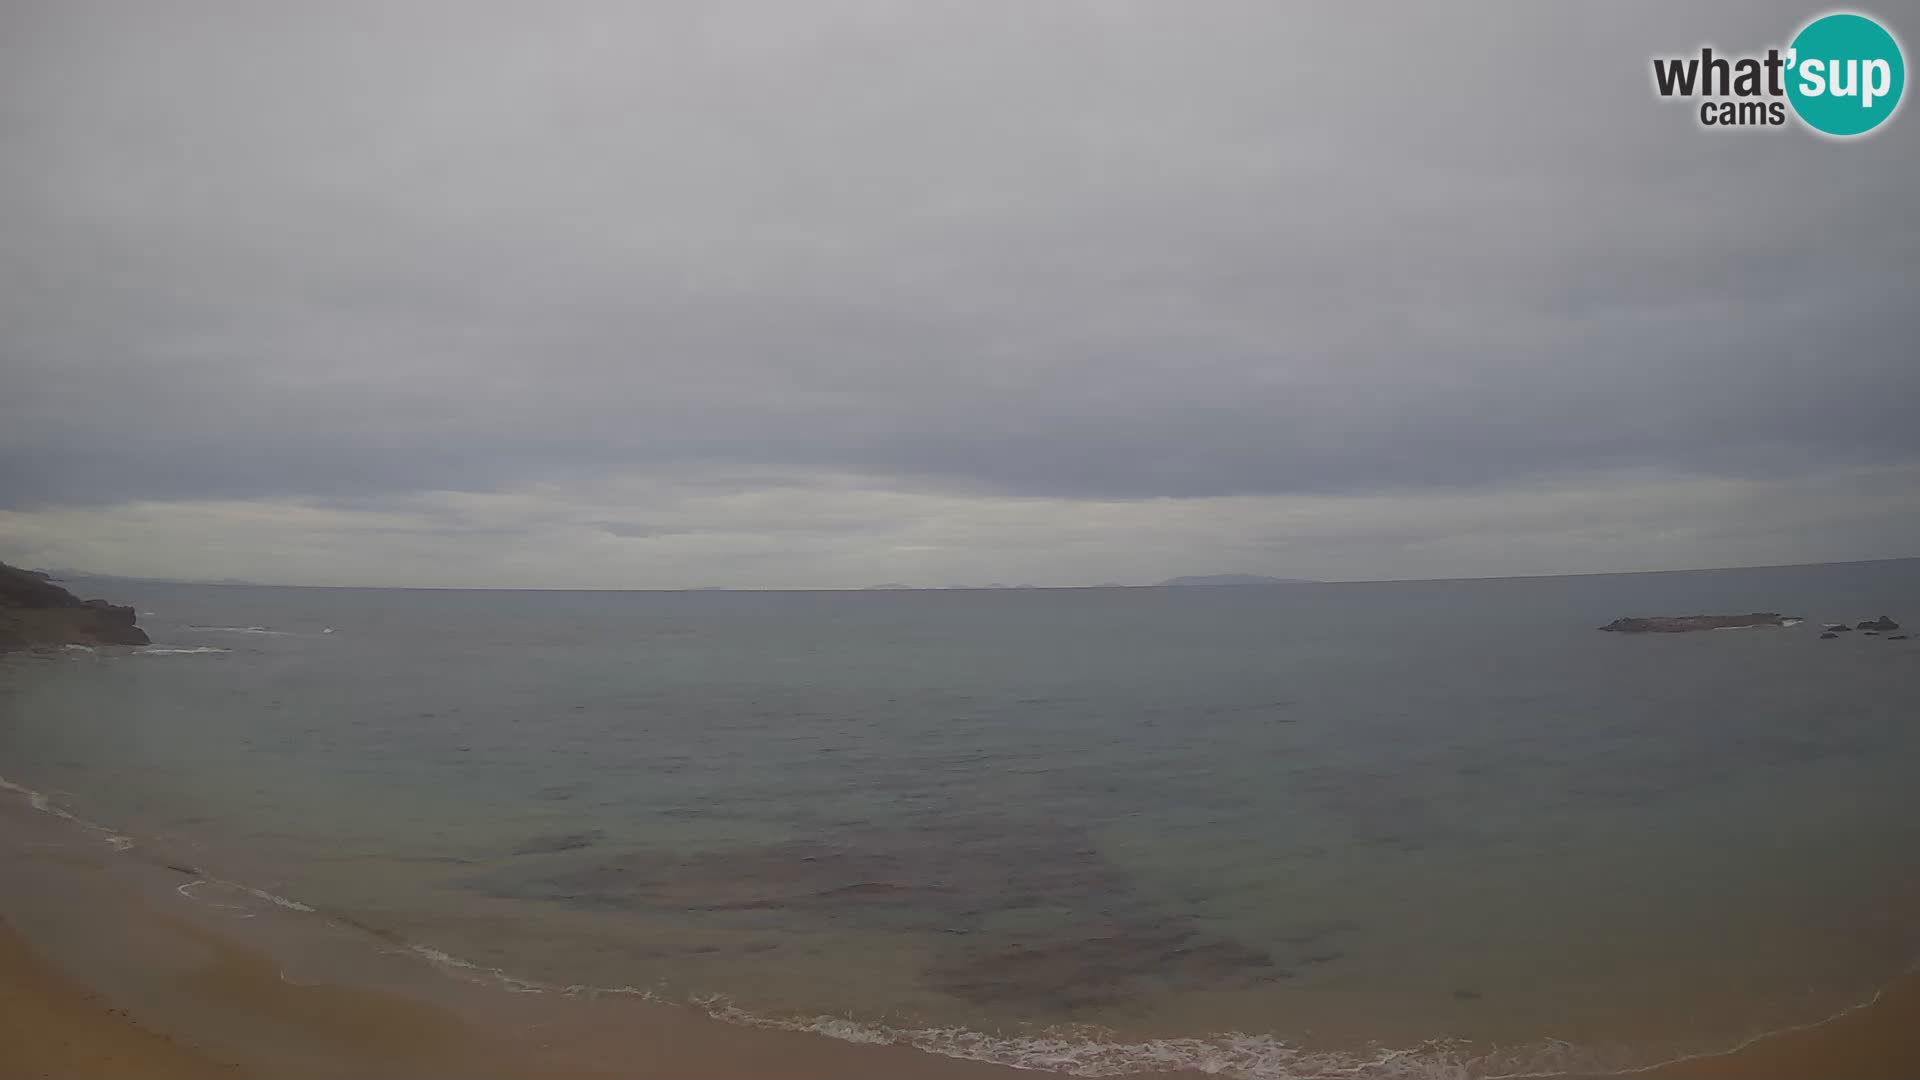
(1281, 824)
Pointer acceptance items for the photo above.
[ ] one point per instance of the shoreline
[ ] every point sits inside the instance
(111, 965)
(1877, 1040)
(114, 965)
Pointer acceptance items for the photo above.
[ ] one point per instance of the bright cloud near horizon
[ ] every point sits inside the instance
(601, 295)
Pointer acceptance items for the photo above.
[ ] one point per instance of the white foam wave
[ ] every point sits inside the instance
(34, 799)
(1096, 1052)
(240, 630)
(512, 983)
(180, 650)
(44, 805)
(518, 985)
(186, 890)
(262, 894)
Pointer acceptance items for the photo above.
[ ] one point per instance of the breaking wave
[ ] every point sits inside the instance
(44, 805)
(182, 650)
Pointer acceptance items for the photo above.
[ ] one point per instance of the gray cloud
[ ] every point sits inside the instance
(1094, 252)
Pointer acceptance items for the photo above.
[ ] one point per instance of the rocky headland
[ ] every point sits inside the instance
(35, 613)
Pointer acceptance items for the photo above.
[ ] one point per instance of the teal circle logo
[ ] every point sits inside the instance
(1845, 74)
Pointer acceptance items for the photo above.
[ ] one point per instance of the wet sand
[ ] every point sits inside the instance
(50, 1027)
(1880, 1041)
(114, 966)
(111, 965)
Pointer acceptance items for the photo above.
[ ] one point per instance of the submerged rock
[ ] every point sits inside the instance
(1026, 912)
(1881, 623)
(34, 611)
(1829, 636)
(1680, 624)
(557, 842)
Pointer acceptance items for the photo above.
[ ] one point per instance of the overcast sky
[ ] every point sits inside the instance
(826, 294)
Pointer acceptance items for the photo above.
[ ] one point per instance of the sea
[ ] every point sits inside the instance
(1397, 829)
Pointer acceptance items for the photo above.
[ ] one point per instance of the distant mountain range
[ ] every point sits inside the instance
(1218, 580)
(68, 574)
(1194, 581)
(1188, 582)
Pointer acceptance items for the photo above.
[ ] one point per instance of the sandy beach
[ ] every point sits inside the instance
(114, 966)
(1880, 1041)
(50, 1027)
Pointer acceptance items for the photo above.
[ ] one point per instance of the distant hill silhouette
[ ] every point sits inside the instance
(1219, 580)
(69, 574)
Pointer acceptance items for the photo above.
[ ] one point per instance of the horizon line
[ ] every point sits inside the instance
(1280, 584)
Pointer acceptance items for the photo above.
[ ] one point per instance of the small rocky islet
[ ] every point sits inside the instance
(1680, 624)
(1884, 626)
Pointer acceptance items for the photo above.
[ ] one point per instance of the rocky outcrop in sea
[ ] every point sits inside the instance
(1680, 624)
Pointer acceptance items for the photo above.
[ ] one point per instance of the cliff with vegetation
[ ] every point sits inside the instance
(34, 612)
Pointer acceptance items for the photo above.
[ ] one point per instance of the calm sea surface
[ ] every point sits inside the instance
(1394, 829)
